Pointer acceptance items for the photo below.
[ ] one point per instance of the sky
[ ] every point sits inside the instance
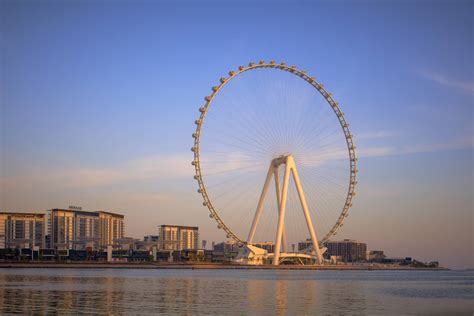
(98, 99)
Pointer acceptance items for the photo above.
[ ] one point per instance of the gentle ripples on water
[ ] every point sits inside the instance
(246, 292)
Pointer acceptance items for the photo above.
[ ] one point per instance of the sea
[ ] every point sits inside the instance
(235, 292)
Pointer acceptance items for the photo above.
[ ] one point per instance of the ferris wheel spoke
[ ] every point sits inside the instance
(318, 174)
(234, 170)
(243, 145)
(246, 127)
(320, 201)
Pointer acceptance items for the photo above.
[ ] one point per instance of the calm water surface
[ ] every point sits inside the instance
(241, 292)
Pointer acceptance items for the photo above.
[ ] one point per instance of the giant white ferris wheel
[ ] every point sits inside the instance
(274, 158)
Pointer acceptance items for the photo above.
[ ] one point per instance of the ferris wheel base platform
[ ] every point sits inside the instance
(252, 255)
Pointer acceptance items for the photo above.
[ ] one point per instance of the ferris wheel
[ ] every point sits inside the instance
(271, 123)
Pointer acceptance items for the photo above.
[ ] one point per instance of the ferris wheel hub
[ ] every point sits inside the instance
(283, 159)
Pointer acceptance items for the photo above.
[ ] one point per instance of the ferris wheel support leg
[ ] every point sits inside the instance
(304, 205)
(276, 176)
(281, 218)
(261, 201)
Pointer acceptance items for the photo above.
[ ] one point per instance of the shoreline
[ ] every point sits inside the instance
(204, 266)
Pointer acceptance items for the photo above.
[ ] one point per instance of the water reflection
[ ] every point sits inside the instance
(229, 292)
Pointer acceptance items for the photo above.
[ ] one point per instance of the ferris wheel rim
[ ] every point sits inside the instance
(329, 99)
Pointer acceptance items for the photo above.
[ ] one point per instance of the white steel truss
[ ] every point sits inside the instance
(282, 195)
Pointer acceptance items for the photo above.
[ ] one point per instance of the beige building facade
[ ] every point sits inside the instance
(82, 230)
(22, 230)
(174, 237)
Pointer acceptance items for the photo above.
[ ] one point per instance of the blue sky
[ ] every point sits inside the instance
(98, 100)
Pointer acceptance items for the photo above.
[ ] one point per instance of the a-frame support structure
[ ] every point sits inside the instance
(281, 195)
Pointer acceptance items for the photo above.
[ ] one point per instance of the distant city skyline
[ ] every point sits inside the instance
(98, 103)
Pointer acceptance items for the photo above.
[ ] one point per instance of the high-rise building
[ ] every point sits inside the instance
(80, 230)
(22, 230)
(86, 230)
(173, 237)
(348, 250)
(111, 228)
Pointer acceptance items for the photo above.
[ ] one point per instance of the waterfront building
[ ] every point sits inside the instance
(86, 231)
(82, 230)
(268, 246)
(22, 230)
(225, 251)
(73, 229)
(225, 246)
(305, 245)
(175, 237)
(376, 256)
(111, 227)
(348, 250)
(129, 243)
